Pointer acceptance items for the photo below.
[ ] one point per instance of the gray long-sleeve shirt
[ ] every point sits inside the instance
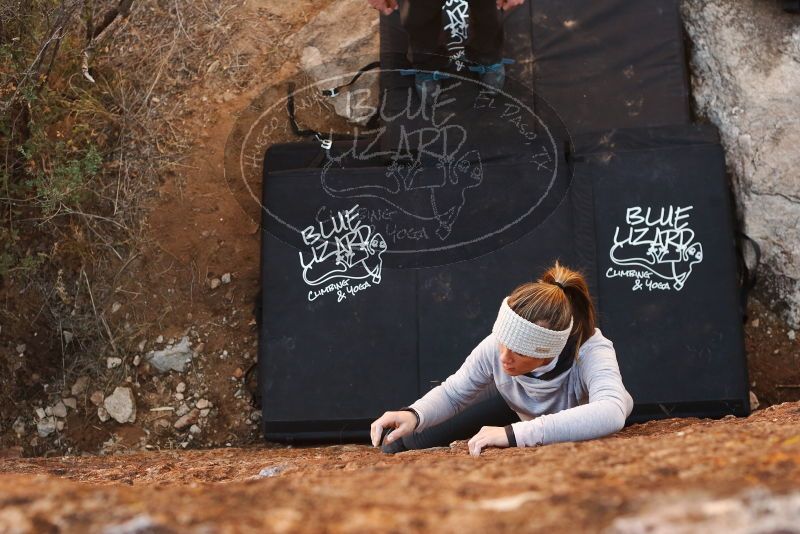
(585, 402)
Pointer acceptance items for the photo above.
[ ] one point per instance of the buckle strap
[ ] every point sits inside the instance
(494, 67)
(425, 75)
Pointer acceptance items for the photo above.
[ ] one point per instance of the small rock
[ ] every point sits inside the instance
(269, 471)
(179, 396)
(160, 339)
(46, 426)
(187, 419)
(40, 413)
(60, 410)
(204, 412)
(183, 409)
(753, 401)
(791, 334)
(238, 373)
(137, 360)
(202, 403)
(113, 362)
(115, 307)
(226, 278)
(755, 323)
(19, 426)
(215, 282)
(70, 402)
(200, 348)
(255, 415)
(48, 410)
(21, 348)
(68, 337)
(181, 387)
(59, 424)
(102, 414)
(97, 398)
(194, 429)
(121, 405)
(172, 358)
(142, 345)
(80, 385)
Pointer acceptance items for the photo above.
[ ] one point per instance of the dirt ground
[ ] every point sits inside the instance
(567, 487)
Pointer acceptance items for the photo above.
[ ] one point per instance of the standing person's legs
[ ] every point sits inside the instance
(485, 42)
(490, 409)
(422, 20)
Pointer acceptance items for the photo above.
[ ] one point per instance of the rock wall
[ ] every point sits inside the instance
(745, 61)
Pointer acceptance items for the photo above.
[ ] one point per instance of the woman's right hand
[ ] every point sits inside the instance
(403, 423)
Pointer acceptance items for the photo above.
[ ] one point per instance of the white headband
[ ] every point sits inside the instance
(527, 338)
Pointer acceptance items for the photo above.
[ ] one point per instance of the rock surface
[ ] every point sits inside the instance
(333, 51)
(675, 475)
(746, 79)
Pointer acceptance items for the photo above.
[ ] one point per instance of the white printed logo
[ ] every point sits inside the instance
(659, 242)
(342, 249)
(457, 12)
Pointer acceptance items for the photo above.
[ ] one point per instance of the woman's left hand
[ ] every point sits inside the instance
(489, 436)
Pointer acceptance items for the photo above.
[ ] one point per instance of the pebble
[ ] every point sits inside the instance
(68, 337)
(48, 410)
(187, 419)
(121, 405)
(226, 278)
(59, 424)
(59, 410)
(204, 412)
(215, 282)
(173, 358)
(194, 429)
(40, 413)
(113, 362)
(202, 403)
(142, 345)
(791, 334)
(21, 348)
(182, 410)
(181, 387)
(137, 360)
(70, 402)
(102, 414)
(115, 307)
(46, 426)
(19, 426)
(97, 398)
(269, 471)
(753, 401)
(80, 385)
(755, 323)
(238, 373)
(160, 339)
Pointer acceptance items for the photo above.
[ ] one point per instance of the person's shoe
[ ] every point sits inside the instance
(492, 75)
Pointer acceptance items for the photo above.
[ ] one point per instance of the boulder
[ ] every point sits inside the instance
(746, 80)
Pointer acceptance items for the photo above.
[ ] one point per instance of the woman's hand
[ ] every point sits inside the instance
(403, 423)
(384, 6)
(508, 5)
(489, 436)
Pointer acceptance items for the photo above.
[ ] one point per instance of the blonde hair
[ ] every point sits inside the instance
(545, 300)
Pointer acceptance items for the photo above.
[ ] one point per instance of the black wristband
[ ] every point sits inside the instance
(512, 439)
(412, 410)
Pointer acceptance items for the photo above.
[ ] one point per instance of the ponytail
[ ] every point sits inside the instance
(560, 294)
